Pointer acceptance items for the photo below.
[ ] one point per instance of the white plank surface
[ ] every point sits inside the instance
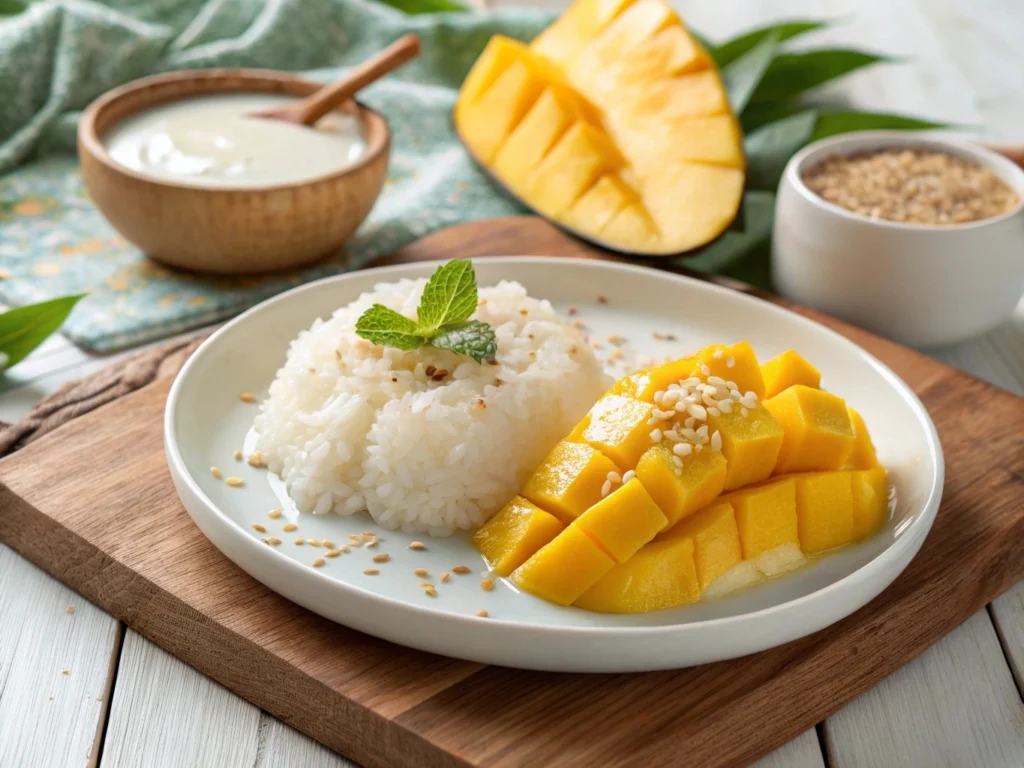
(955, 705)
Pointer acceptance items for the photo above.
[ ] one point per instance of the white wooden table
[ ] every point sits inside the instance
(77, 688)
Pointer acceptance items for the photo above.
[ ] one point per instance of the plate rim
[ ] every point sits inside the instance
(910, 540)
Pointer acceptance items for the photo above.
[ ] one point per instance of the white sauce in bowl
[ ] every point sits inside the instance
(210, 141)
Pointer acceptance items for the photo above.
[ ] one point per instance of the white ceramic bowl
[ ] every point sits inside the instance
(920, 285)
(206, 421)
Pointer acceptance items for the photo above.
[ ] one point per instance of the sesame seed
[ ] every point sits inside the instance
(274, 541)
(425, 584)
(382, 558)
(606, 488)
(216, 472)
(69, 610)
(313, 542)
(417, 545)
(705, 370)
(730, 362)
(628, 476)
(370, 571)
(430, 591)
(256, 460)
(578, 324)
(258, 527)
(602, 299)
(332, 553)
(712, 411)
(487, 585)
(367, 535)
(66, 672)
(235, 482)
(247, 397)
(237, 455)
(328, 543)
(289, 527)
(719, 354)
(744, 412)
(461, 569)
(274, 514)
(421, 572)
(677, 461)
(300, 540)
(524, 312)
(656, 435)
(445, 576)
(571, 311)
(716, 441)
(318, 562)
(481, 613)
(372, 543)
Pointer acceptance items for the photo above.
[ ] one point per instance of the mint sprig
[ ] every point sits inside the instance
(442, 318)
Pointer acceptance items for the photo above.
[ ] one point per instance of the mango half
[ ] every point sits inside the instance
(614, 122)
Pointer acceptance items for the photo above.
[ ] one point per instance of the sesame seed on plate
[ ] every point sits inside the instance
(300, 540)
(247, 397)
(382, 558)
(235, 482)
(461, 569)
(487, 585)
(571, 311)
(426, 584)
(258, 527)
(313, 542)
(417, 545)
(482, 614)
(215, 471)
(70, 609)
(445, 576)
(430, 591)
(289, 527)
(274, 514)
(370, 571)
(274, 541)
(602, 299)
(237, 455)
(332, 553)
(318, 562)
(421, 572)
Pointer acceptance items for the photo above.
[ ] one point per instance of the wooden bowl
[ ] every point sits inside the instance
(228, 230)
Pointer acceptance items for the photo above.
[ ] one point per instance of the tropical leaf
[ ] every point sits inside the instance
(769, 148)
(729, 51)
(832, 123)
(11, 7)
(762, 113)
(792, 73)
(743, 76)
(24, 328)
(422, 6)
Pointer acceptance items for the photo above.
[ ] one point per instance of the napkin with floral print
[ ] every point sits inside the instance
(56, 57)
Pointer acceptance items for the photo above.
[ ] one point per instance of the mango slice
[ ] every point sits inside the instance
(617, 426)
(750, 444)
(817, 427)
(863, 455)
(681, 487)
(518, 530)
(642, 385)
(671, 166)
(661, 575)
(623, 521)
(734, 362)
(716, 541)
(824, 510)
(786, 370)
(870, 501)
(767, 524)
(564, 568)
(568, 482)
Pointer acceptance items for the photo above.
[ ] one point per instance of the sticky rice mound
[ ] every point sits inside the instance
(426, 441)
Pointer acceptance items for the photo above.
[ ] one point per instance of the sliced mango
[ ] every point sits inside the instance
(817, 427)
(661, 575)
(767, 524)
(643, 385)
(565, 39)
(568, 482)
(545, 123)
(564, 568)
(786, 370)
(824, 510)
(750, 444)
(681, 487)
(576, 161)
(617, 427)
(623, 521)
(599, 204)
(870, 500)
(517, 531)
(863, 455)
(716, 541)
(733, 362)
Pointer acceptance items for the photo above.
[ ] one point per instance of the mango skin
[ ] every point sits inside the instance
(818, 432)
(787, 370)
(518, 530)
(568, 482)
(661, 575)
(701, 479)
(623, 521)
(716, 540)
(870, 500)
(564, 568)
(824, 510)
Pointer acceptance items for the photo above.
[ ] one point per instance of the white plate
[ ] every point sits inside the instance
(205, 422)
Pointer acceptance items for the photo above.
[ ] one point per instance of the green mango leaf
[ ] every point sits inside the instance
(769, 148)
(422, 6)
(11, 7)
(758, 211)
(729, 51)
(762, 113)
(793, 73)
(24, 328)
(832, 123)
(743, 76)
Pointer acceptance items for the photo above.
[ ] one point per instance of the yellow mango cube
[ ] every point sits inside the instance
(733, 362)
(671, 98)
(750, 444)
(518, 530)
(786, 370)
(642, 385)
(498, 56)
(623, 521)
(599, 204)
(568, 482)
(489, 120)
(716, 541)
(689, 203)
(564, 568)
(582, 21)
(824, 510)
(817, 427)
(681, 488)
(617, 427)
(633, 223)
(578, 158)
(870, 500)
(766, 521)
(531, 139)
(661, 575)
(863, 455)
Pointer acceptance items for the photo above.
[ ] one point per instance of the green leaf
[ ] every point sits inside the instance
(424, 6)
(25, 328)
(832, 123)
(762, 113)
(9, 8)
(449, 297)
(793, 73)
(388, 328)
(742, 77)
(758, 211)
(769, 148)
(473, 338)
(729, 51)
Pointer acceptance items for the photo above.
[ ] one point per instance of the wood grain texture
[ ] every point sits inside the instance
(383, 705)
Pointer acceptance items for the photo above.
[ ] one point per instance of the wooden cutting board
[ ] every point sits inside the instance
(92, 504)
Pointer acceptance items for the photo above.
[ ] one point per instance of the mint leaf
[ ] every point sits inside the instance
(473, 338)
(449, 297)
(25, 328)
(388, 328)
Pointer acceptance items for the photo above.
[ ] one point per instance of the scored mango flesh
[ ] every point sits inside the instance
(614, 122)
(681, 484)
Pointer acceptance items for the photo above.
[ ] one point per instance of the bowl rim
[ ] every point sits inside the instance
(378, 132)
(857, 141)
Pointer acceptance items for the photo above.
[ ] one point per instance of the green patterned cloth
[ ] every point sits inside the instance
(56, 57)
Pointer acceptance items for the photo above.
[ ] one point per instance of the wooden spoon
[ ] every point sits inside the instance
(312, 108)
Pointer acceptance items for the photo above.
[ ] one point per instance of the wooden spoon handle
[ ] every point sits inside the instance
(312, 108)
